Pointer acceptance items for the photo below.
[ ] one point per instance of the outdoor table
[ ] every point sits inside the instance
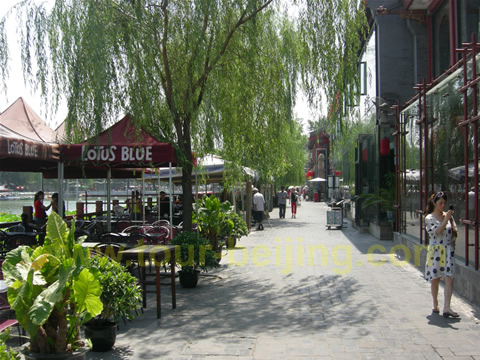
(29, 234)
(94, 244)
(157, 253)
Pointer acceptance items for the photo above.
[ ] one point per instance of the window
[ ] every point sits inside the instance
(363, 78)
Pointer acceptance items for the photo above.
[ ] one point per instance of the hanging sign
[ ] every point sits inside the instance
(117, 153)
(18, 148)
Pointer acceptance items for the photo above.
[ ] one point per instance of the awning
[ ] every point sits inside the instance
(18, 153)
(120, 146)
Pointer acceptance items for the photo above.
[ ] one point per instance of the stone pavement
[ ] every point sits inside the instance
(299, 291)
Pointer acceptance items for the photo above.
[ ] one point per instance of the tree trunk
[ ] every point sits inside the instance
(187, 168)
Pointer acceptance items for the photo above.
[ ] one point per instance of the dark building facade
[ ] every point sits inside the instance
(420, 67)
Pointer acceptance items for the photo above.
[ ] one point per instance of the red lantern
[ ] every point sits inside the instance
(384, 146)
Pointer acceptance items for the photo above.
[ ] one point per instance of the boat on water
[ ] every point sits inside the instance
(4, 197)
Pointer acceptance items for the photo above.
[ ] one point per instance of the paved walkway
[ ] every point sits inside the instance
(299, 291)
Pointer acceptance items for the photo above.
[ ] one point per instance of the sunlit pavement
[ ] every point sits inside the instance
(299, 291)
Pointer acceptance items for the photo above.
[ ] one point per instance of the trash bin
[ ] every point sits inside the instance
(315, 197)
(334, 218)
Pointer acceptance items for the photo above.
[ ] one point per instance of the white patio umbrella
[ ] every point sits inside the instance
(317, 179)
(458, 173)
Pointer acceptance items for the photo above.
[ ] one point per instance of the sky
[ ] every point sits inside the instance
(16, 86)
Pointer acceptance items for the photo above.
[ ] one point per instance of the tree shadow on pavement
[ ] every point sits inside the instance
(238, 306)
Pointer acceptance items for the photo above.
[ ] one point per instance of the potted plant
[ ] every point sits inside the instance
(232, 233)
(53, 292)
(195, 254)
(121, 298)
(6, 352)
(211, 217)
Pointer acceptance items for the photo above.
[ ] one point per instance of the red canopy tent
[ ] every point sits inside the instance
(122, 146)
(19, 153)
(26, 141)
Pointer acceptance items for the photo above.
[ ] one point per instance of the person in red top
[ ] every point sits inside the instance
(40, 216)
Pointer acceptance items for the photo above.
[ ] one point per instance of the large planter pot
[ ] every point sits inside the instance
(77, 355)
(218, 256)
(189, 279)
(102, 333)
(231, 242)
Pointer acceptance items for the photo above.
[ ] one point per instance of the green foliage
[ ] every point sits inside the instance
(4, 217)
(239, 227)
(121, 295)
(385, 199)
(51, 289)
(203, 74)
(30, 181)
(7, 353)
(212, 220)
(195, 252)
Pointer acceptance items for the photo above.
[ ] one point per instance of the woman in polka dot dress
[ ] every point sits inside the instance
(440, 263)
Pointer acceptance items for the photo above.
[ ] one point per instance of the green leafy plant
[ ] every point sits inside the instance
(385, 199)
(51, 289)
(121, 295)
(5, 218)
(7, 353)
(212, 219)
(239, 228)
(195, 252)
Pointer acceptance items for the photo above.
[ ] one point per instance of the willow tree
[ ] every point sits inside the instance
(203, 74)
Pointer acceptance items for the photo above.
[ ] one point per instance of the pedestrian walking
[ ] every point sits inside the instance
(258, 207)
(282, 202)
(293, 202)
(441, 230)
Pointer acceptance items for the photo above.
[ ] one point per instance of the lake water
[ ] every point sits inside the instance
(16, 206)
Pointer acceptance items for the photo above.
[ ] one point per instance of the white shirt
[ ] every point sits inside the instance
(258, 202)
(282, 197)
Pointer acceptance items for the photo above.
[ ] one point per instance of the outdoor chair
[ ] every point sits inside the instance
(91, 229)
(15, 228)
(79, 224)
(14, 241)
(110, 237)
(7, 319)
(180, 227)
(139, 239)
(110, 250)
(135, 229)
(161, 223)
(159, 234)
(123, 224)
